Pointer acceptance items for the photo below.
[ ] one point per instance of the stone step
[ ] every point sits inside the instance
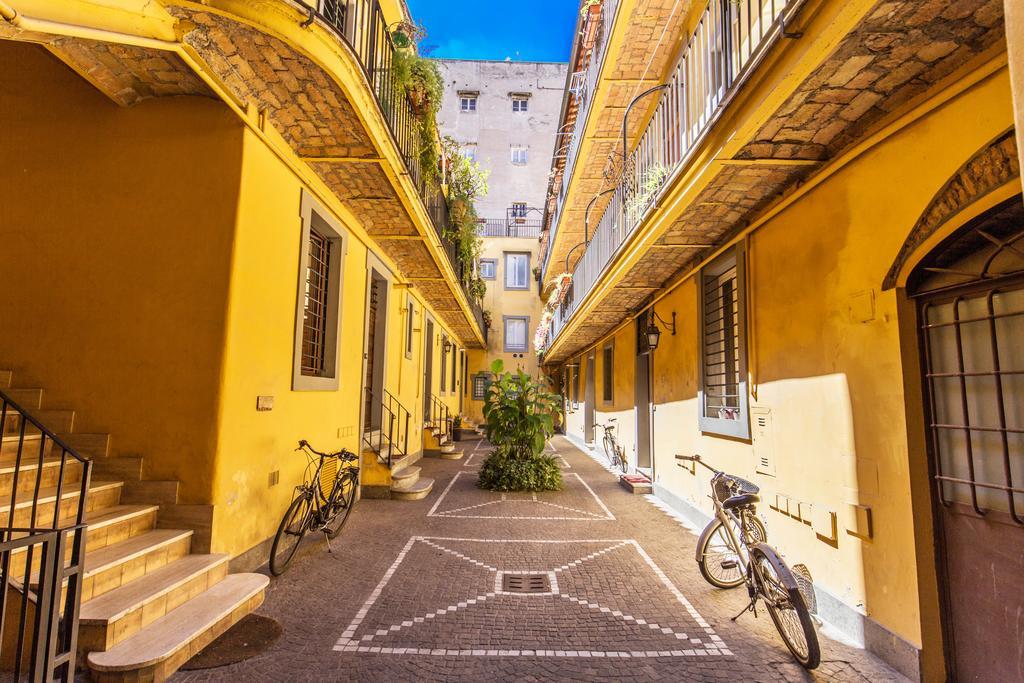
(56, 421)
(101, 494)
(29, 471)
(29, 445)
(444, 455)
(418, 489)
(156, 652)
(404, 477)
(117, 523)
(88, 445)
(123, 612)
(117, 564)
(27, 399)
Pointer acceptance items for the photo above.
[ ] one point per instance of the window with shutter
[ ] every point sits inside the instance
(723, 377)
(515, 333)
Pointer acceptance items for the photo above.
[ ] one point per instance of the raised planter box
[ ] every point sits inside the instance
(636, 484)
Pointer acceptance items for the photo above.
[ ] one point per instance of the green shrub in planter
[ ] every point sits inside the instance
(504, 472)
(520, 419)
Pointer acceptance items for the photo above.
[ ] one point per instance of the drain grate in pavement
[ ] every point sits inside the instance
(249, 637)
(526, 583)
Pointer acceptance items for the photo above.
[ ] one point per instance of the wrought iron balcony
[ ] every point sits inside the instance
(725, 46)
(511, 227)
(361, 25)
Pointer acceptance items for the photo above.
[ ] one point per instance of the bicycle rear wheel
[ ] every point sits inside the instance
(293, 527)
(786, 606)
(343, 501)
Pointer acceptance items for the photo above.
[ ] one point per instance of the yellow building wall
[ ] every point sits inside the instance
(824, 357)
(259, 353)
(506, 302)
(116, 234)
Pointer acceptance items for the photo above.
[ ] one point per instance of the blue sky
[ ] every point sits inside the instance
(523, 30)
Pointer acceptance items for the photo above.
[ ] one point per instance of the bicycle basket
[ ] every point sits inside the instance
(726, 486)
(806, 585)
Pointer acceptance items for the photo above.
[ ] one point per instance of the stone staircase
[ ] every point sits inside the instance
(400, 480)
(437, 444)
(148, 602)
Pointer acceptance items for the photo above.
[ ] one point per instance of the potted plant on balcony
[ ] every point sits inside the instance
(591, 7)
(486, 315)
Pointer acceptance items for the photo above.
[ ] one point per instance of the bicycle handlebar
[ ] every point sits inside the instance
(343, 453)
(697, 459)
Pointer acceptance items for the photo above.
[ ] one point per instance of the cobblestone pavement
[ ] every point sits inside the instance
(587, 584)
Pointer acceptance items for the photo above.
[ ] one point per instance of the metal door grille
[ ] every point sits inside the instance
(972, 329)
(974, 377)
(721, 341)
(314, 320)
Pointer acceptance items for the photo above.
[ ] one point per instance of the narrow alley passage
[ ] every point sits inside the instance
(590, 583)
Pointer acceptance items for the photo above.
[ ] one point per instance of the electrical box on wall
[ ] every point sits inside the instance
(764, 440)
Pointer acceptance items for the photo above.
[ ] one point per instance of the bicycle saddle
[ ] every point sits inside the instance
(741, 500)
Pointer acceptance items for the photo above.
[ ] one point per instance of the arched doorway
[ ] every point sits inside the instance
(969, 293)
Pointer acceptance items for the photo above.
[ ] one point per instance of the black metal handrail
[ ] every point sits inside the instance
(440, 418)
(34, 542)
(388, 437)
(361, 24)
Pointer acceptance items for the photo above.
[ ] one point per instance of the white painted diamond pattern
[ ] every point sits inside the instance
(707, 643)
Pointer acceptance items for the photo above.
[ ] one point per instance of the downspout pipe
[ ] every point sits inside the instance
(59, 28)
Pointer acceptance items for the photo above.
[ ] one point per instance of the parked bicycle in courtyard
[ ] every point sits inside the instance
(732, 551)
(323, 502)
(613, 450)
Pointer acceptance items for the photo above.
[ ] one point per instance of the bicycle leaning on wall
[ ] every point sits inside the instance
(732, 551)
(613, 450)
(322, 502)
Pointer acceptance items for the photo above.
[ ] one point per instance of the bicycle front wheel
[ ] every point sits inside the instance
(294, 526)
(609, 449)
(344, 500)
(786, 606)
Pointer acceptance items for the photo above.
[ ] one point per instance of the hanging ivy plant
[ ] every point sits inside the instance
(420, 79)
(466, 183)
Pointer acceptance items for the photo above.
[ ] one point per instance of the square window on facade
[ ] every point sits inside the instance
(488, 268)
(517, 271)
(467, 103)
(469, 151)
(516, 330)
(723, 377)
(520, 104)
(520, 155)
(519, 209)
(480, 384)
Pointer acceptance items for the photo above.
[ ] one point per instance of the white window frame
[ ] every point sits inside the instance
(468, 103)
(312, 212)
(508, 270)
(524, 150)
(505, 319)
(493, 262)
(520, 104)
(740, 427)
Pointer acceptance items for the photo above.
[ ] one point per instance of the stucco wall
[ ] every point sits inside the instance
(825, 358)
(494, 127)
(116, 227)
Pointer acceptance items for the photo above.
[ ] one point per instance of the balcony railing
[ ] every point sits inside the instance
(511, 227)
(361, 24)
(583, 84)
(720, 54)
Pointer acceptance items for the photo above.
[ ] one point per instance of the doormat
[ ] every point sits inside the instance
(251, 636)
(636, 483)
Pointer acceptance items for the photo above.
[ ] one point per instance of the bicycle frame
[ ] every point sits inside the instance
(310, 487)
